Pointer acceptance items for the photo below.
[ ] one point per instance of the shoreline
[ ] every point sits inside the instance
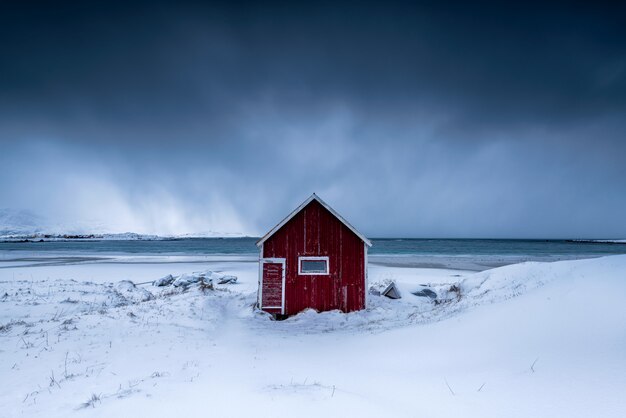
(444, 262)
(146, 268)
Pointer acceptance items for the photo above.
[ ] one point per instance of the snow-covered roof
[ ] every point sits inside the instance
(302, 206)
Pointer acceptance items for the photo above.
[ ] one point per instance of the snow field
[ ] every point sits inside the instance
(533, 339)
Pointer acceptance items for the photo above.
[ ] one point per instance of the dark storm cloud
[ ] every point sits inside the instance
(429, 119)
(499, 63)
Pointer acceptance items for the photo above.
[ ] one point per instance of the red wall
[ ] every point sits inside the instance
(314, 231)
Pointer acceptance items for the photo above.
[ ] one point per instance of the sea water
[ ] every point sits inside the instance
(533, 249)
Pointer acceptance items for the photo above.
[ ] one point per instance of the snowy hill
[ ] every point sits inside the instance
(19, 222)
(17, 225)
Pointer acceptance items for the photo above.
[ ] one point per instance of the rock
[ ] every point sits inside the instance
(164, 281)
(227, 280)
(207, 278)
(187, 279)
(213, 275)
(426, 292)
(132, 293)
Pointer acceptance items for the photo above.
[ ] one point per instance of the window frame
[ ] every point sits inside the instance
(313, 258)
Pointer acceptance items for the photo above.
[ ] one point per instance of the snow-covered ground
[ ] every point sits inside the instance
(525, 340)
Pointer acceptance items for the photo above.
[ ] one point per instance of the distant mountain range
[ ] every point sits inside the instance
(20, 222)
(24, 225)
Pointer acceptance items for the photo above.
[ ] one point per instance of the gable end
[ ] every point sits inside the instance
(300, 208)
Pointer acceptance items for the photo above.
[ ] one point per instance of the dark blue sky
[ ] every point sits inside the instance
(412, 119)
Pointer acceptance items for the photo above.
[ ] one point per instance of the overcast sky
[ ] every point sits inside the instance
(432, 120)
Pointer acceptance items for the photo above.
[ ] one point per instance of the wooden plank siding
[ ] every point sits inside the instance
(315, 231)
(272, 285)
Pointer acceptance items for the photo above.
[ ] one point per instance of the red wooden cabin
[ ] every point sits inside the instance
(312, 259)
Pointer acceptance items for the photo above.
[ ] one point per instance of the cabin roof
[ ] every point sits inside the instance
(302, 206)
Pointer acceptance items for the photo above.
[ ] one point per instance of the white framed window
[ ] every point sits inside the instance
(313, 266)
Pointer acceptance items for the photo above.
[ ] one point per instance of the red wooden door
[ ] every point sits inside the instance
(272, 286)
